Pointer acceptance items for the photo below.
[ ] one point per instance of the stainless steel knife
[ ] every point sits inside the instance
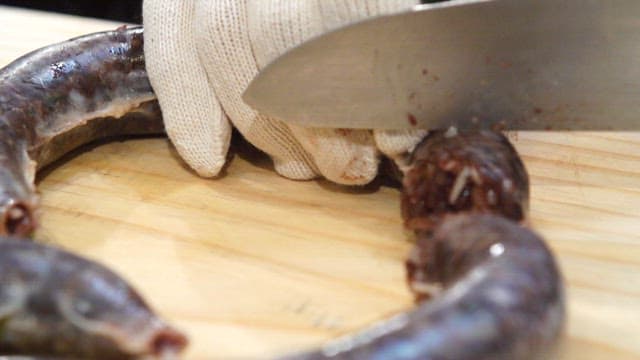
(511, 64)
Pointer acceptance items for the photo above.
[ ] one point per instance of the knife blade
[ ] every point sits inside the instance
(511, 64)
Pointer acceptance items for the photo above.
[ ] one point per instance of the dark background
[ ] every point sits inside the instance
(129, 11)
(119, 10)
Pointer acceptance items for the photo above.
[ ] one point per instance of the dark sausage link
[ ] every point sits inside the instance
(496, 291)
(62, 96)
(502, 298)
(55, 303)
(455, 171)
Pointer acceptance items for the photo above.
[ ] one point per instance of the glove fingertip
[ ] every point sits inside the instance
(397, 145)
(206, 160)
(346, 157)
(201, 141)
(294, 170)
(350, 177)
(397, 142)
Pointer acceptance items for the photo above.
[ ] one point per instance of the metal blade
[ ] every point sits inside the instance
(515, 64)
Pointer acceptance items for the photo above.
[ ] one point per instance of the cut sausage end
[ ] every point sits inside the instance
(466, 172)
(167, 343)
(18, 220)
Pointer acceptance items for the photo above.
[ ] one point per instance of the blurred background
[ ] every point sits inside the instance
(129, 11)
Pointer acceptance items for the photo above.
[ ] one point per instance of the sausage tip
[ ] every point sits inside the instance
(18, 220)
(167, 343)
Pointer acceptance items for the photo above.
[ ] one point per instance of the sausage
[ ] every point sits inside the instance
(52, 101)
(494, 288)
(60, 97)
(454, 171)
(55, 303)
(502, 298)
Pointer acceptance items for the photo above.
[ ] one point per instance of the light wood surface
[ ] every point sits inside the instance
(252, 265)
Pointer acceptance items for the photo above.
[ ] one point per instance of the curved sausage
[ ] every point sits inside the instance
(501, 298)
(52, 101)
(62, 96)
(56, 303)
(494, 290)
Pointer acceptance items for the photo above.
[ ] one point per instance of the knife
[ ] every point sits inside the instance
(510, 64)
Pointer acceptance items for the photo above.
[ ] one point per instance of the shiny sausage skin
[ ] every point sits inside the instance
(56, 303)
(501, 298)
(62, 96)
(53, 100)
(486, 286)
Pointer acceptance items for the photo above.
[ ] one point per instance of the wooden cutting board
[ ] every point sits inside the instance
(252, 265)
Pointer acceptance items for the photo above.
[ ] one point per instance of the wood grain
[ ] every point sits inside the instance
(252, 265)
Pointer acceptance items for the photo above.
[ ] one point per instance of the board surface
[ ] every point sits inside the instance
(252, 265)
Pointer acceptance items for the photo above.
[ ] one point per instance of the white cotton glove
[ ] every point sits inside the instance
(202, 54)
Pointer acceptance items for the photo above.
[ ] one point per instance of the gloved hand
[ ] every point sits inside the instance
(202, 54)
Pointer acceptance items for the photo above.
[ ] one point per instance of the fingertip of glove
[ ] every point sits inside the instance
(343, 156)
(356, 172)
(204, 168)
(348, 164)
(294, 170)
(396, 142)
(208, 172)
(206, 161)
